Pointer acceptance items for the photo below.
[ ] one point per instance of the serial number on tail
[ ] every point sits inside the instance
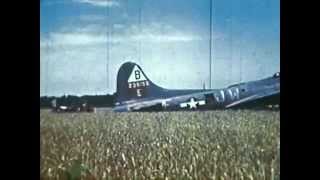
(138, 84)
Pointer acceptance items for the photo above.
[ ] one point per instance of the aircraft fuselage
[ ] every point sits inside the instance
(206, 99)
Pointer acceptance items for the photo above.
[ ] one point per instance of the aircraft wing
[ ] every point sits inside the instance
(255, 97)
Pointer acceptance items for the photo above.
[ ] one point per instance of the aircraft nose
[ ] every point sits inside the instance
(276, 75)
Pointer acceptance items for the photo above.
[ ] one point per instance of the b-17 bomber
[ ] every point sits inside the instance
(136, 92)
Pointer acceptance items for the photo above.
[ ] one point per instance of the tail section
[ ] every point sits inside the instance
(132, 83)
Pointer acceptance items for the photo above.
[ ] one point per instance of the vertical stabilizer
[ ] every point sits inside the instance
(132, 83)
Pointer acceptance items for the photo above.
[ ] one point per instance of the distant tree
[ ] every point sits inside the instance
(71, 100)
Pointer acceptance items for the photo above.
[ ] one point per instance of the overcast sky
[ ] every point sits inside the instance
(169, 39)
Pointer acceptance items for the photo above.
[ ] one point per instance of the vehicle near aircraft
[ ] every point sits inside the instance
(83, 107)
(136, 92)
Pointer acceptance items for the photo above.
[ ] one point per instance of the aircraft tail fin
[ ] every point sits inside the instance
(132, 83)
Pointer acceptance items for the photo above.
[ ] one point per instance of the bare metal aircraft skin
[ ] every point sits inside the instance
(135, 92)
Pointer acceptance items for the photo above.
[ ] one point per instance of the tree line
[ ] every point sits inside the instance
(71, 100)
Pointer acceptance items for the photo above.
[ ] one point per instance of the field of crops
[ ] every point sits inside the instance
(224, 145)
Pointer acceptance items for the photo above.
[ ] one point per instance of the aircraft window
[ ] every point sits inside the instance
(276, 75)
(243, 90)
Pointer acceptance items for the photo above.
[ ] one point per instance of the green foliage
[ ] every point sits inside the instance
(166, 145)
(97, 100)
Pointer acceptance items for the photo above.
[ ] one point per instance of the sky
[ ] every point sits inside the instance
(84, 42)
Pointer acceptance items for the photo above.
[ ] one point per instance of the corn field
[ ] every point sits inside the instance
(221, 145)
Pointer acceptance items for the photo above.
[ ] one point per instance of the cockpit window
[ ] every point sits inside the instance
(276, 75)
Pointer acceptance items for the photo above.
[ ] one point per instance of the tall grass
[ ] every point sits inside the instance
(166, 145)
